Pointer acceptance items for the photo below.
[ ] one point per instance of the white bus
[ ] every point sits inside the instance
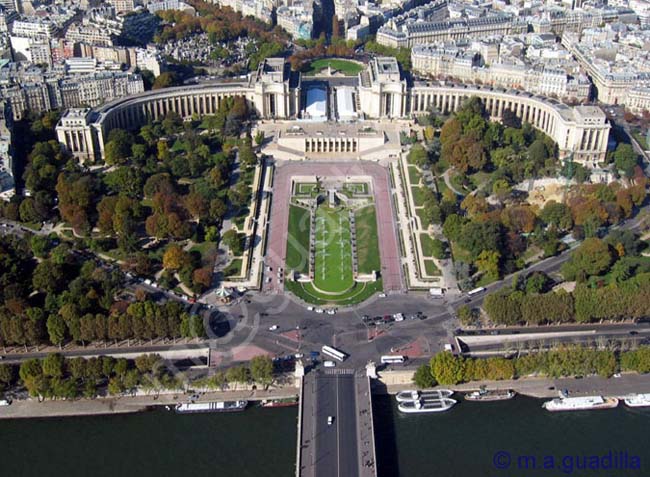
(333, 353)
(393, 359)
(476, 291)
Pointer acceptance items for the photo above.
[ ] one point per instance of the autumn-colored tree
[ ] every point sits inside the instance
(519, 218)
(474, 205)
(174, 258)
(202, 276)
(197, 206)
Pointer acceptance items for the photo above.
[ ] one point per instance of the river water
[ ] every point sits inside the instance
(262, 442)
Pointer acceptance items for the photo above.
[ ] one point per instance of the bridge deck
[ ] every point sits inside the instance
(344, 448)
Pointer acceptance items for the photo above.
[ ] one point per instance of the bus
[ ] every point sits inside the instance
(476, 291)
(333, 353)
(393, 359)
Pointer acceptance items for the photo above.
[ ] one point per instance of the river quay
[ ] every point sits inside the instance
(392, 382)
(32, 408)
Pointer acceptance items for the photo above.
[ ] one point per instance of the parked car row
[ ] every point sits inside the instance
(329, 311)
(397, 317)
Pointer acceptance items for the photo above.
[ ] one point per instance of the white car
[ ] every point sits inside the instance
(318, 310)
(331, 311)
(273, 328)
(382, 295)
(310, 308)
(329, 364)
(398, 317)
(330, 420)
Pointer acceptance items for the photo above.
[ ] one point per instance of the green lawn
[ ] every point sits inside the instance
(356, 188)
(348, 68)
(333, 261)
(641, 139)
(442, 186)
(418, 195)
(414, 175)
(430, 267)
(233, 268)
(427, 245)
(423, 218)
(305, 188)
(205, 249)
(367, 240)
(298, 239)
(358, 293)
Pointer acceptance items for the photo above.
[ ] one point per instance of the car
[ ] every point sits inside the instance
(298, 355)
(388, 319)
(617, 375)
(398, 317)
(329, 364)
(273, 328)
(330, 420)
(365, 318)
(382, 295)
(319, 310)
(268, 279)
(310, 308)
(634, 333)
(331, 311)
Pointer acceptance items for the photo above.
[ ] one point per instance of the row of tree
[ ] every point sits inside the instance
(58, 377)
(260, 370)
(448, 369)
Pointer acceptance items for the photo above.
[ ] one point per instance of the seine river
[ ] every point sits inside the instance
(262, 442)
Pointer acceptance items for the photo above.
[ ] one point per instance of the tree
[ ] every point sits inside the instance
(592, 257)
(233, 241)
(238, 374)
(537, 282)
(423, 378)
(56, 329)
(557, 214)
(466, 315)
(447, 369)
(53, 365)
(625, 159)
(118, 148)
(453, 227)
(488, 263)
(438, 248)
(40, 245)
(165, 80)
(262, 369)
(501, 189)
(259, 137)
(7, 375)
(175, 258)
(479, 236)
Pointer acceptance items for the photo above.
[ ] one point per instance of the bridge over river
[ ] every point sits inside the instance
(343, 446)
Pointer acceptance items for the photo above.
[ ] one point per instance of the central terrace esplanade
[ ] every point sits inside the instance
(379, 92)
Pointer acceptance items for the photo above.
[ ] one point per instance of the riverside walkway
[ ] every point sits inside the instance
(343, 446)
